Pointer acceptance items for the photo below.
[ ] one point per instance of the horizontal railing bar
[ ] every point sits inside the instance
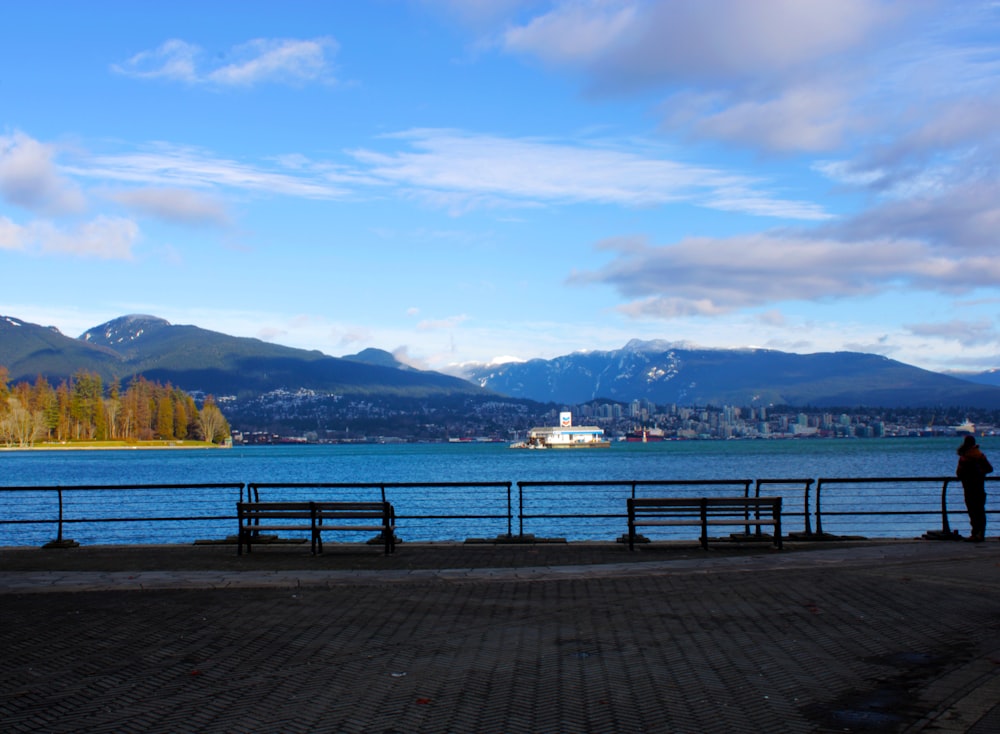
(636, 482)
(370, 485)
(92, 487)
(450, 517)
(610, 516)
(804, 480)
(845, 513)
(882, 480)
(71, 520)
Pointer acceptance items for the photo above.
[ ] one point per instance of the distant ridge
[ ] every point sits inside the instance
(989, 377)
(199, 360)
(665, 372)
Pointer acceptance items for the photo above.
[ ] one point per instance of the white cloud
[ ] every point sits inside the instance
(284, 60)
(967, 333)
(963, 217)
(174, 59)
(630, 43)
(402, 354)
(710, 277)
(181, 206)
(107, 238)
(290, 61)
(783, 75)
(574, 32)
(30, 179)
(803, 118)
(12, 235)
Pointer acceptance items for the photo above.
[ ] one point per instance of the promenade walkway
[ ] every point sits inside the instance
(868, 636)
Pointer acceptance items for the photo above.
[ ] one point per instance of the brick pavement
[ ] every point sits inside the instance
(861, 637)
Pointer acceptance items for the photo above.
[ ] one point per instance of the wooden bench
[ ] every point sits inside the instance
(337, 512)
(703, 512)
(314, 517)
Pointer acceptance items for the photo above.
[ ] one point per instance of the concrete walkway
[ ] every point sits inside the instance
(821, 637)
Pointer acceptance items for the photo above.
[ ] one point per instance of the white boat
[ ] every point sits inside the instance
(966, 429)
(564, 436)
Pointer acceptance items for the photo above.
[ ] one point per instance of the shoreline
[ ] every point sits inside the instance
(116, 446)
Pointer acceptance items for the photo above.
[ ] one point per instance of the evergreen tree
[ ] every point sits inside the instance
(78, 409)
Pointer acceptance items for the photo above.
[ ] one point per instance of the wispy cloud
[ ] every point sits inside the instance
(280, 61)
(448, 169)
(464, 167)
(171, 166)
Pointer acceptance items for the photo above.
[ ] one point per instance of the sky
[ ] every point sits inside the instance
(459, 181)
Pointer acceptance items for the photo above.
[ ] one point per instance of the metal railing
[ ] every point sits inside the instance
(773, 487)
(146, 509)
(913, 505)
(147, 513)
(597, 509)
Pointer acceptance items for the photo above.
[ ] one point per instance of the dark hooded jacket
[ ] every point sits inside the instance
(972, 463)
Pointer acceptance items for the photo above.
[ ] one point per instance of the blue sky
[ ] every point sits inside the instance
(469, 181)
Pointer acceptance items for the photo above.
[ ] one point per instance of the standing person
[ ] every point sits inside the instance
(973, 466)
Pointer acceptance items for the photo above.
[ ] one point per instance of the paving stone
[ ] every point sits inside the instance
(860, 637)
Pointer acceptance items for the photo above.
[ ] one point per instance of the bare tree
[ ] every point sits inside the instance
(214, 426)
(19, 426)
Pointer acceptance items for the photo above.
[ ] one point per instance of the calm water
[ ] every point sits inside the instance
(689, 460)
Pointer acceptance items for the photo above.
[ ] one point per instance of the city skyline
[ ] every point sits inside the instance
(471, 182)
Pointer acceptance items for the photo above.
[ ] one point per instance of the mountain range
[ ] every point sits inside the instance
(667, 373)
(199, 360)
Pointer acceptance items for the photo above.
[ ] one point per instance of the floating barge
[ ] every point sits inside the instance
(564, 436)
(645, 435)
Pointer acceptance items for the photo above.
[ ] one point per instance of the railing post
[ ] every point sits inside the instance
(510, 512)
(520, 510)
(60, 542)
(59, 534)
(805, 507)
(819, 514)
(945, 527)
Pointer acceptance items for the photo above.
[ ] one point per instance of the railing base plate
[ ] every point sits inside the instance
(67, 543)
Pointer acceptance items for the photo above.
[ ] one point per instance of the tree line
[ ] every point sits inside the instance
(84, 409)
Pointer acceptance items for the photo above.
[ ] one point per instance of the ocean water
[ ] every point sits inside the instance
(576, 513)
